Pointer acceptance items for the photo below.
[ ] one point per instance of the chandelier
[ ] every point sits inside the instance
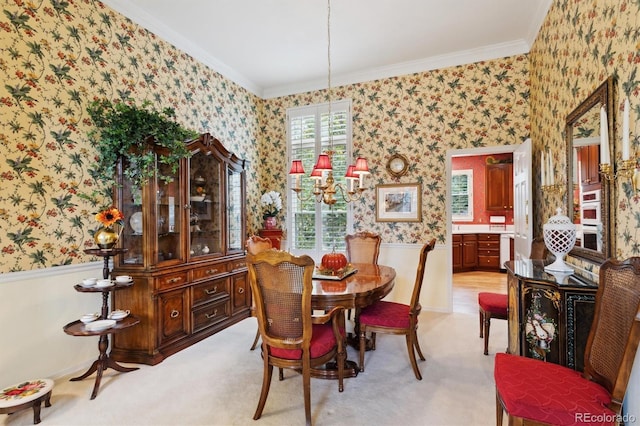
(325, 188)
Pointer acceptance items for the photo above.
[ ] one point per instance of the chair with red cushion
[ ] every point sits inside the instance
(495, 305)
(396, 318)
(532, 391)
(291, 337)
(491, 305)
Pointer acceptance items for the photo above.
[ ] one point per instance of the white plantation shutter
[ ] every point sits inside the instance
(462, 194)
(316, 228)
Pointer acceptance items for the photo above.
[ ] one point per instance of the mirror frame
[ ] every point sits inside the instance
(602, 96)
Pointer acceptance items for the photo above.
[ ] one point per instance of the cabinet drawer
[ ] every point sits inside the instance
(237, 265)
(208, 315)
(209, 271)
(171, 281)
(209, 291)
(489, 245)
(489, 237)
(489, 261)
(489, 252)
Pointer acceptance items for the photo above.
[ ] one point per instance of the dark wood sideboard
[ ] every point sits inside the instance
(549, 316)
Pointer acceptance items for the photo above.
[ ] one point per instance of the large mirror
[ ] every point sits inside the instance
(588, 191)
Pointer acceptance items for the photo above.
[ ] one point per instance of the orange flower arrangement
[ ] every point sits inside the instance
(110, 216)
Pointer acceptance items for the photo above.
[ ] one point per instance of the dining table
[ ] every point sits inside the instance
(368, 284)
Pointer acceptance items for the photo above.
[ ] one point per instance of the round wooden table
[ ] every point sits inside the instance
(369, 284)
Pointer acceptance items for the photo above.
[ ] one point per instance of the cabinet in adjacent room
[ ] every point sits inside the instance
(589, 161)
(465, 252)
(499, 187)
(185, 252)
(489, 251)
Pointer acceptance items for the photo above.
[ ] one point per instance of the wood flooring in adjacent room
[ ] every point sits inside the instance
(467, 285)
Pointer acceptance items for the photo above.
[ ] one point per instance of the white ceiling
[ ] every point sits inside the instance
(279, 47)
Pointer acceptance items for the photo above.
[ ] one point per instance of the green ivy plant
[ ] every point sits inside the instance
(134, 133)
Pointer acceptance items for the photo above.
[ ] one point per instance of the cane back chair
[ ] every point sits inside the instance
(291, 336)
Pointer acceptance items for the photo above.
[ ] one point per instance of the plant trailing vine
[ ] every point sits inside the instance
(124, 130)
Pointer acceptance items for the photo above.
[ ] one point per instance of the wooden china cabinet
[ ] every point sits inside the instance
(185, 252)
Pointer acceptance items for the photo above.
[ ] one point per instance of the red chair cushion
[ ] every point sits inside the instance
(550, 393)
(322, 341)
(495, 303)
(385, 314)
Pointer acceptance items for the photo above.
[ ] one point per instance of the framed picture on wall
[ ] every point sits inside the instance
(399, 202)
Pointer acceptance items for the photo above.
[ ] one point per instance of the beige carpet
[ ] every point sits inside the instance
(217, 382)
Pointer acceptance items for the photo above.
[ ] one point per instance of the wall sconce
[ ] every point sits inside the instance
(547, 177)
(626, 167)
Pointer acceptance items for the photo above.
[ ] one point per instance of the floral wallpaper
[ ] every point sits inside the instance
(420, 116)
(56, 56)
(579, 45)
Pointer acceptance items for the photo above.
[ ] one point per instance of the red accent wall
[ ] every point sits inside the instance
(477, 164)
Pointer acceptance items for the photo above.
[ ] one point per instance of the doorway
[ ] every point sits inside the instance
(466, 294)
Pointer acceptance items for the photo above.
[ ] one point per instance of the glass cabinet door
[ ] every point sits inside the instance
(235, 216)
(205, 216)
(168, 218)
(132, 233)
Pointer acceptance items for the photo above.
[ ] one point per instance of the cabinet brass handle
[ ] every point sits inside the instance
(175, 314)
(241, 290)
(213, 291)
(215, 313)
(174, 280)
(212, 271)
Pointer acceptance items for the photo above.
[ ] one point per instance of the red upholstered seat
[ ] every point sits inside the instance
(386, 314)
(496, 303)
(550, 393)
(323, 341)
(491, 305)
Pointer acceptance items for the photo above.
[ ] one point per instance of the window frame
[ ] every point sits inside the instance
(469, 216)
(317, 110)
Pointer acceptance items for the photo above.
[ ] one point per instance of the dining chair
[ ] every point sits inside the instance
(292, 337)
(396, 318)
(362, 247)
(495, 305)
(255, 245)
(532, 391)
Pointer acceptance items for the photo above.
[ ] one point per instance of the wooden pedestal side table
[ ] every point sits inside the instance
(78, 328)
(28, 394)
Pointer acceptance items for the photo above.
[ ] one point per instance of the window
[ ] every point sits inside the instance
(317, 228)
(462, 195)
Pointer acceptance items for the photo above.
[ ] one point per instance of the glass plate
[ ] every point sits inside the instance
(136, 222)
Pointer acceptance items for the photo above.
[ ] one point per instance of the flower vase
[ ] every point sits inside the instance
(270, 222)
(106, 238)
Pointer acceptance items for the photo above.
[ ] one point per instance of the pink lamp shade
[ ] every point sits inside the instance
(296, 168)
(361, 168)
(316, 174)
(324, 163)
(350, 172)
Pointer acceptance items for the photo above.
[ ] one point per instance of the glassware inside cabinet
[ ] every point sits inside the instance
(168, 217)
(205, 216)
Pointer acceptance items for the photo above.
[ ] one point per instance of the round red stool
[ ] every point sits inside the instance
(25, 395)
(492, 305)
